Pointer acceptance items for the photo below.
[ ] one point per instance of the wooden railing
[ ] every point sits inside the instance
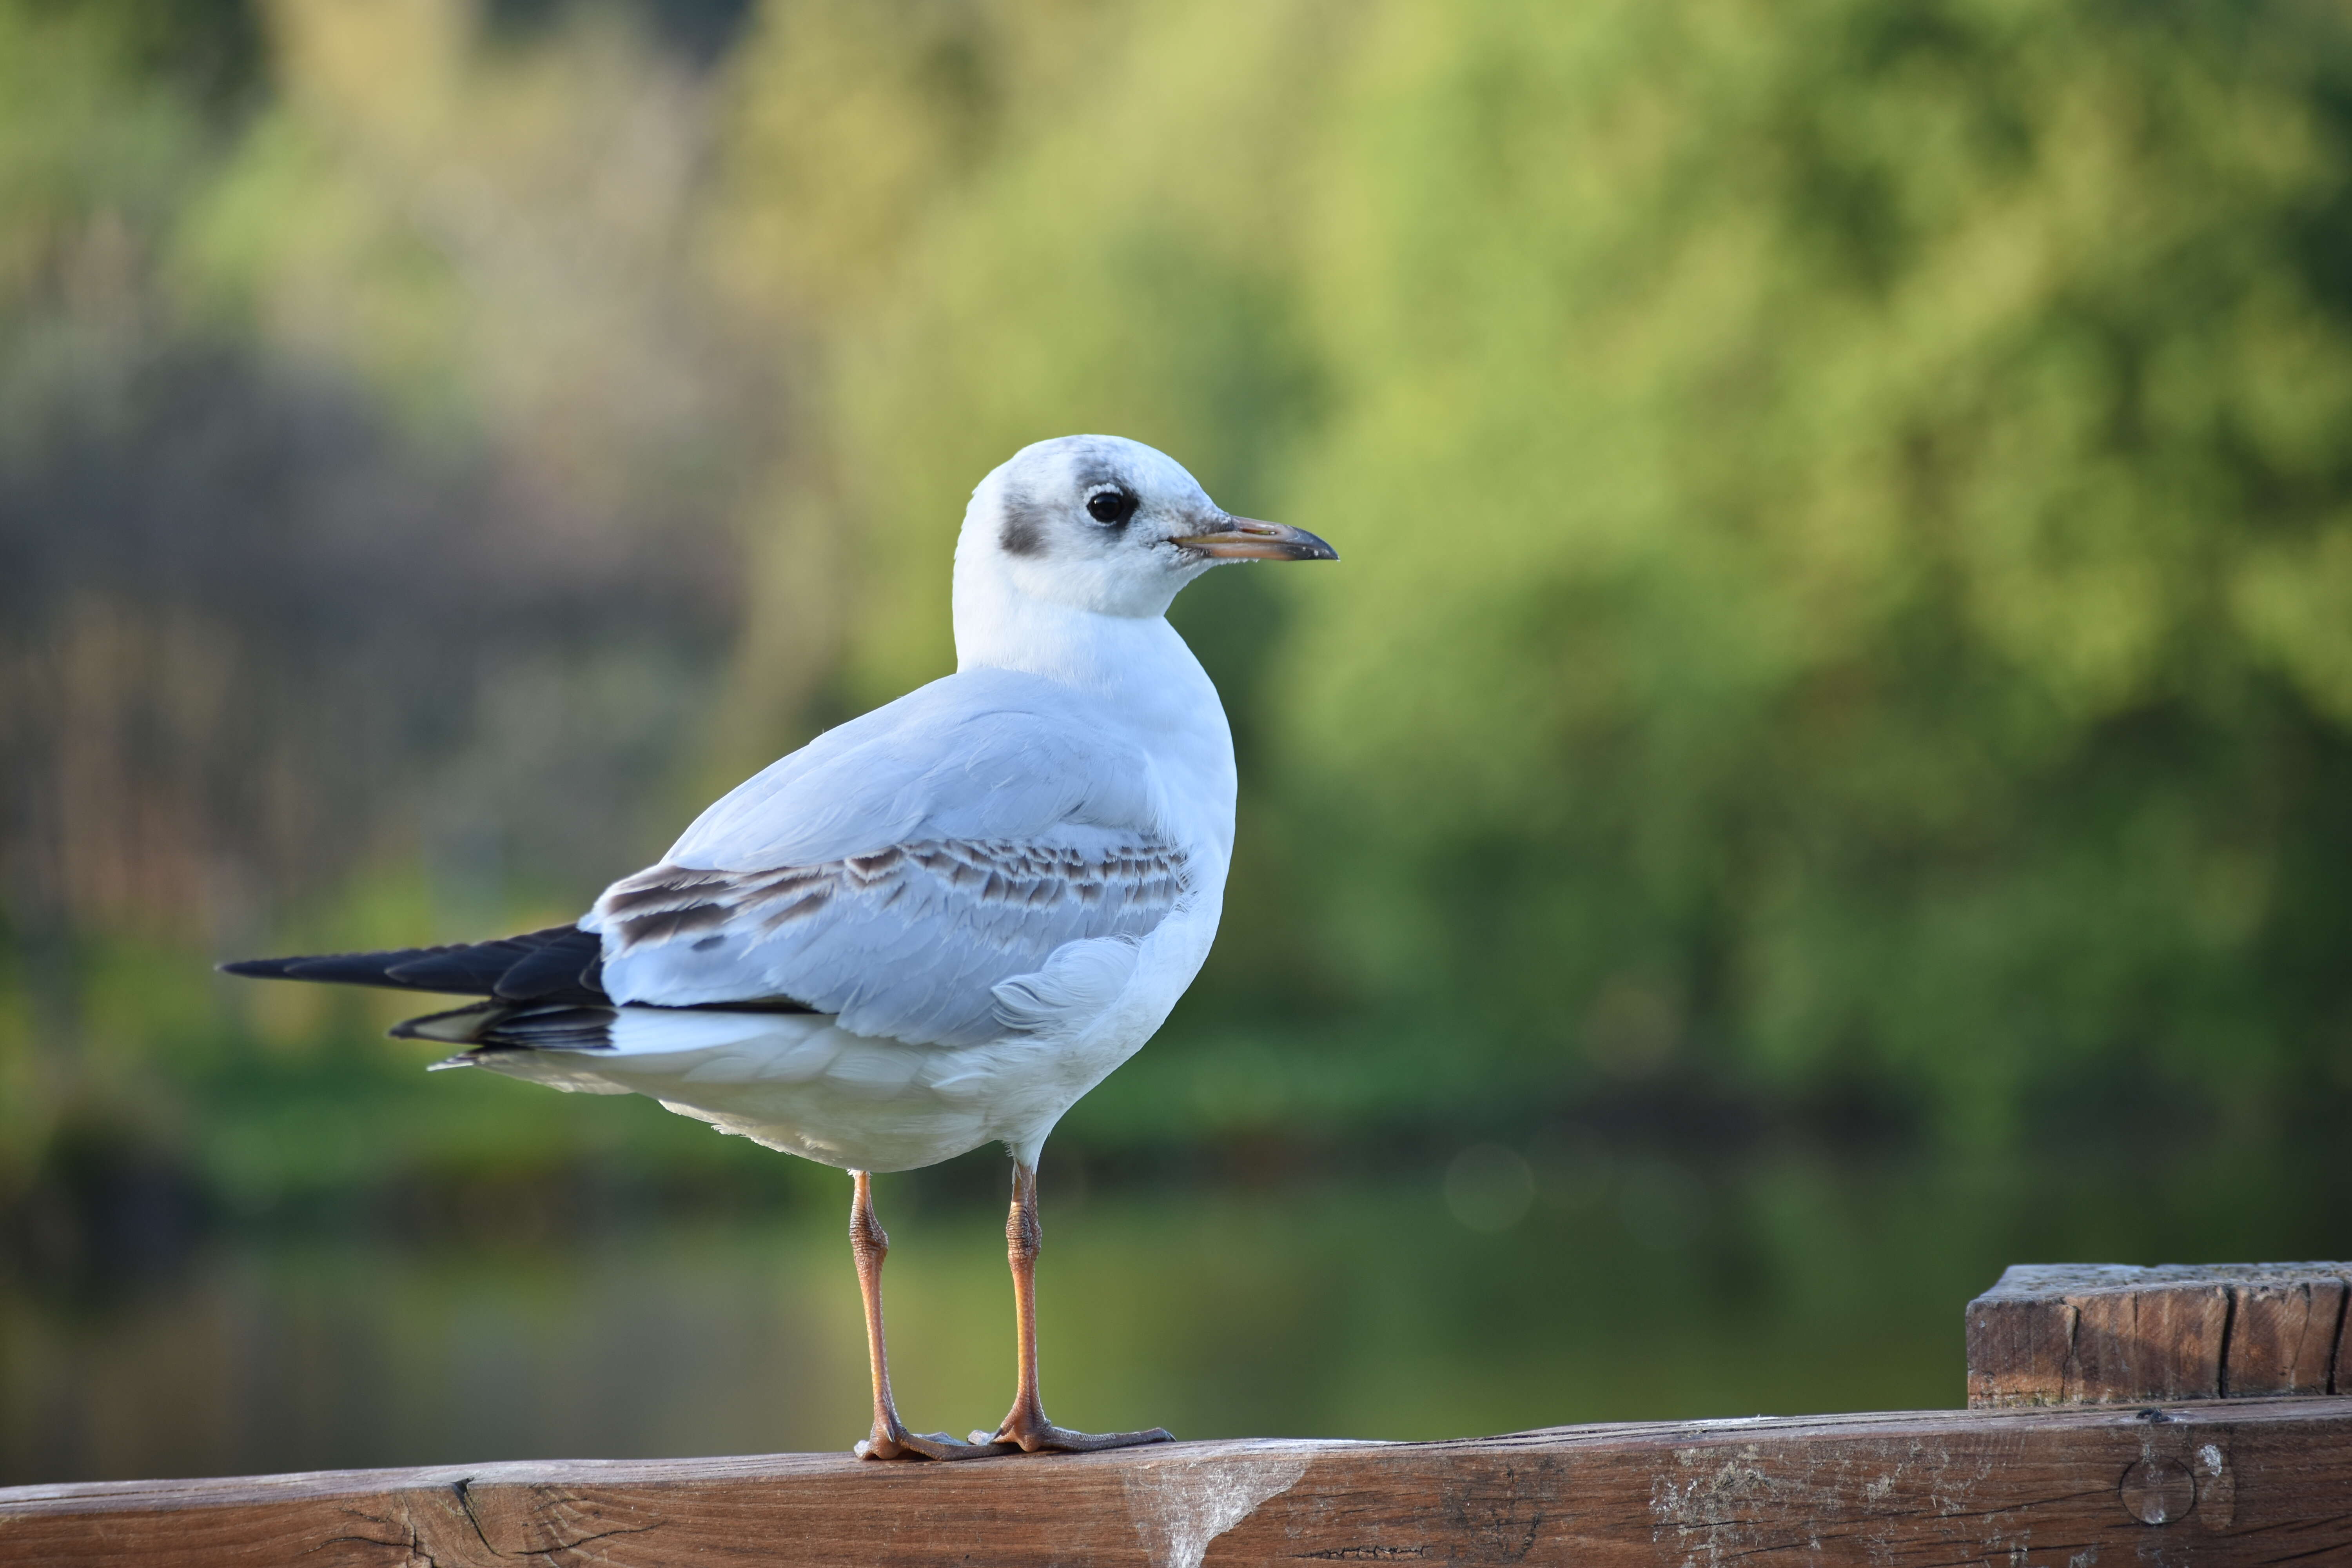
(2174, 1479)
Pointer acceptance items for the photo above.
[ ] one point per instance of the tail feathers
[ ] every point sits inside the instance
(510, 1027)
(560, 964)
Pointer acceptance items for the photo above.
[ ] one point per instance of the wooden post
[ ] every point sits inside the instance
(2112, 1333)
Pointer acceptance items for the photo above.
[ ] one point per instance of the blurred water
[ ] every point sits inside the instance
(1629, 1284)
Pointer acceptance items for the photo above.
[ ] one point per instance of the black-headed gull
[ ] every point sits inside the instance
(939, 924)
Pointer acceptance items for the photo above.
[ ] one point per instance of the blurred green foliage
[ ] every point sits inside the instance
(1848, 568)
(1846, 508)
(1892, 613)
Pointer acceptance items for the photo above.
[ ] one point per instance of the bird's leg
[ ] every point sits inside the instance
(1026, 1425)
(869, 1244)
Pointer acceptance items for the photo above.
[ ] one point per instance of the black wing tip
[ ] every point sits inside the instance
(561, 963)
(334, 968)
(258, 968)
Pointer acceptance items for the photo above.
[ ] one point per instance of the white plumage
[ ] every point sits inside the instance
(940, 923)
(990, 892)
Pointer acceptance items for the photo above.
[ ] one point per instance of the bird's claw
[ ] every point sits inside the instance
(1044, 1437)
(928, 1446)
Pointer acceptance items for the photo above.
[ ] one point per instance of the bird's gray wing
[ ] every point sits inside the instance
(901, 871)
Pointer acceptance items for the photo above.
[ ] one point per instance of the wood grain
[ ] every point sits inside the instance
(2218, 1482)
(2339, 1381)
(2283, 1337)
(2115, 1333)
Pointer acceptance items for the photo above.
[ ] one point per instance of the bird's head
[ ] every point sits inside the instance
(1106, 524)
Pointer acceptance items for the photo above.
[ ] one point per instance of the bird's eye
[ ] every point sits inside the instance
(1110, 506)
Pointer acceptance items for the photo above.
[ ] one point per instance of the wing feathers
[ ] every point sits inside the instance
(895, 872)
(907, 941)
(561, 964)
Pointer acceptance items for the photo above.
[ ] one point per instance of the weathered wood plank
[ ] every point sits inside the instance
(2222, 1483)
(2339, 1381)
(2282, 1339)
(2114, 1333)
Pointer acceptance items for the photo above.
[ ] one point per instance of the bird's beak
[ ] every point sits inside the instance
(1246, 539)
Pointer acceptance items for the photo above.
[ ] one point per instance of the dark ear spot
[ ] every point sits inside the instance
(1024, 525)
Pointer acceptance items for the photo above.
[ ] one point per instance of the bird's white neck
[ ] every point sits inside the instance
(1139, 667)
(999, 626)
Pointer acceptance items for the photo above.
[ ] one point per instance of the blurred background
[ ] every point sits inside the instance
(1826, 768)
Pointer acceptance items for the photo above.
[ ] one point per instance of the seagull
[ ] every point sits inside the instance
(938, 925)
